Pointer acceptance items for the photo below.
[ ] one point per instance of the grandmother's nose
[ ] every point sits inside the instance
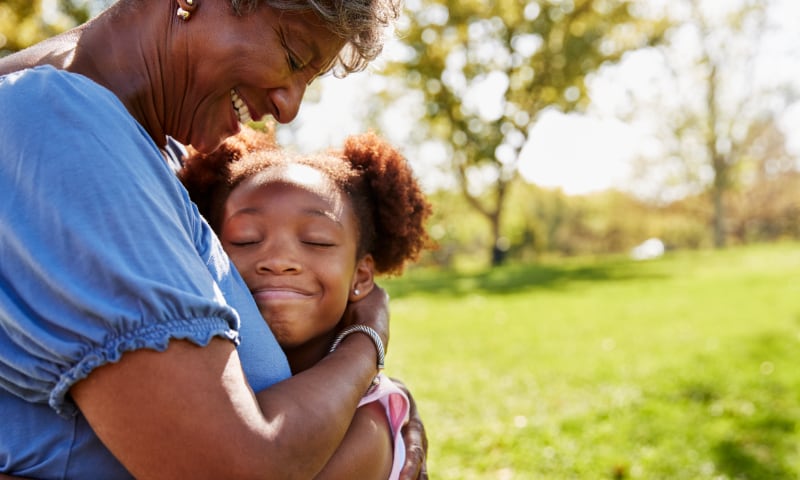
(287, 101)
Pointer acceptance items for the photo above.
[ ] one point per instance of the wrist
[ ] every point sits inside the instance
(357, 354)
(377, 341)
(377, 322)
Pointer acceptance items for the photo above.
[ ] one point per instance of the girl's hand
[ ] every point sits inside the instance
(373, 311)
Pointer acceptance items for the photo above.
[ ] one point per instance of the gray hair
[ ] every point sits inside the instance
(362, 23)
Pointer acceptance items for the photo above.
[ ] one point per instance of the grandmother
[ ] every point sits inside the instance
(129, 345)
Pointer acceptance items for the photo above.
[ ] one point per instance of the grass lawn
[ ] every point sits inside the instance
(685, 367)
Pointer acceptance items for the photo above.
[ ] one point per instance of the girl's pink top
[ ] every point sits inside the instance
(396, 404)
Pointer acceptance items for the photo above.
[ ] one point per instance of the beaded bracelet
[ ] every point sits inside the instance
(371, 333)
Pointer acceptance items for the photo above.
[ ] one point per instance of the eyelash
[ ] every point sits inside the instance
(320, 244)
(241, 244)
(295, 64)
(310, 243)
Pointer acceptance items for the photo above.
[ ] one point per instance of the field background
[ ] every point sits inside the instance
(684, 367)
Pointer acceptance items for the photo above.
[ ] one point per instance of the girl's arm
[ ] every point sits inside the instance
(365, 443)
(366, 452)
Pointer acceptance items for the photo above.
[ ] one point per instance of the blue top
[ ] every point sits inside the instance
(101, 252)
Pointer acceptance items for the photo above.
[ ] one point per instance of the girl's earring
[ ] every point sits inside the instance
(356, 292)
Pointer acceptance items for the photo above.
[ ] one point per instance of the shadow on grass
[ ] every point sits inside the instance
(761, 445)
(516, 278)
(759, 451)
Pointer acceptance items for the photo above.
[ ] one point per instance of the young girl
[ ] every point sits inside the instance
(308, 234)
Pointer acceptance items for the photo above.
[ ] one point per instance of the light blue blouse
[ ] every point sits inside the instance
(101, 252)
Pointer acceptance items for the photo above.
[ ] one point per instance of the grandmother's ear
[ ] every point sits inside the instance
(185, 9)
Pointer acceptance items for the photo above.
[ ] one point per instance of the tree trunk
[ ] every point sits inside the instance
(719, 217)
(718, 189)
(499, 247)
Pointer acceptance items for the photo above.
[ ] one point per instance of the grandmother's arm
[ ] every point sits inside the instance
(368, 449)
(415, 439)
(188, 412)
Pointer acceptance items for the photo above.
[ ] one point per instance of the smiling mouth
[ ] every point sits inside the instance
(279, 294)
(242, 112)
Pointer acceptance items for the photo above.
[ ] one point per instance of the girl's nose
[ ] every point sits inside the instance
(278, 256)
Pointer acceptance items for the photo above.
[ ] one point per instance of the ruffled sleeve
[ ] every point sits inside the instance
(98, 252)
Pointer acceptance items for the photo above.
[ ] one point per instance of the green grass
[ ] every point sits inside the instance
(685, 367)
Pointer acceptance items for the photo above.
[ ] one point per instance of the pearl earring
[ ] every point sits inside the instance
(356, 292)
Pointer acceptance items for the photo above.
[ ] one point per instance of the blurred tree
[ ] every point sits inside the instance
(25, 22)
(487, 69)
(718, 101)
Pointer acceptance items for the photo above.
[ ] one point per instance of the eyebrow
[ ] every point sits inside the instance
(315, 53)
(310, 212)
(314, 212)
(292, 32)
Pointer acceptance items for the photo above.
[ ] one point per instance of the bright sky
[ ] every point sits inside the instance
(577, 153)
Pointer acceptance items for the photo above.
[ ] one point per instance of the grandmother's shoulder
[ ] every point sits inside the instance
(47, 80)
(33, 73)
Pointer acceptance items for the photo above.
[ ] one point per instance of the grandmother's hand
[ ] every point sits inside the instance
(373, 311)
(415, 466)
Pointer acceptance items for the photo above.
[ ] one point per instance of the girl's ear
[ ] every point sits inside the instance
(363, 279)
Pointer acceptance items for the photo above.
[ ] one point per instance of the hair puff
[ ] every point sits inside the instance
(398, 206)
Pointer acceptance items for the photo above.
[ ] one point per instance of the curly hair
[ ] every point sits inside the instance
(362, 23)
(389, 205)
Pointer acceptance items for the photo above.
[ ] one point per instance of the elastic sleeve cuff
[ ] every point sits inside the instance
(155, 337)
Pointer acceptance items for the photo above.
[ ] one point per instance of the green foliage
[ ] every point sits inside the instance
(679, 368)
(466, 237)
(543, 222)
(533, 55)
(768, 210)
(716, 124)
(20, 25)
(24, 22)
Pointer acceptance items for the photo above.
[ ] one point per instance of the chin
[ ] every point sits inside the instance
(288, 343)
(285, 338)
(206, 148)
(208, 145)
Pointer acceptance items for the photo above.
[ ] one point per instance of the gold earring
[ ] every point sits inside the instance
(185, 9)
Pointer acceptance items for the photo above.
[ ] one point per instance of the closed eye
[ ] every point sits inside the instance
(292, 59)
(242, 244)
(295, 64)
(317, 243)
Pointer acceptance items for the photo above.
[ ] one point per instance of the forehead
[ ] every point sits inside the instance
(299, 176)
